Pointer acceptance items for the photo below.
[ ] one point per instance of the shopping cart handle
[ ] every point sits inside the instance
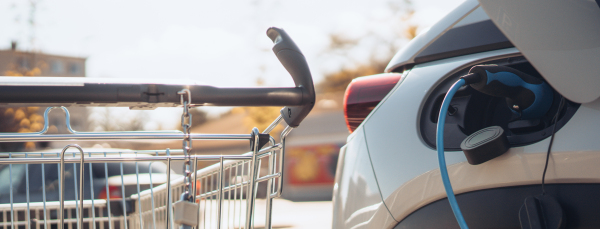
(146, 94)
(294, 62)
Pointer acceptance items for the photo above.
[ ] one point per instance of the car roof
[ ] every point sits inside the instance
(466, 29)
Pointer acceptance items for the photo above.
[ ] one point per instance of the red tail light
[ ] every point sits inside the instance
(363, 94)
(115, 193)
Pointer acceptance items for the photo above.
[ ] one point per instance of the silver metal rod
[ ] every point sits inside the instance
(92, 194)
(69, 211)
(123, 196)
(59, 179)
(261, 179)
(195, 177)
(169, 193)
(268, 177)
(284, 134)
(152, 195)
(62, 186)
(110, 222)
(12, 210)
(27, 194)
(101, 152)
(242, 194)
(256, 175)
(253, 170)
(237, 170)
(248, 156)
(220, 187)
(100, 217)
(204, 188)
(229, 197)
(81, 193)
(35, 220)
(97, 136)
(211, 201)
(121, 159)
(270, 187)
(76, 195)
(137, 177)
(44, 194)
(273, 125)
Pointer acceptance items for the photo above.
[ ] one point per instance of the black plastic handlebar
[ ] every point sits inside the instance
(298, 100)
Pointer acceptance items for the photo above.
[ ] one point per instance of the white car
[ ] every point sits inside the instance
(388, 175)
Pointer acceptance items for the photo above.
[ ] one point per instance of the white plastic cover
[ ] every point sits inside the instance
(560, 38)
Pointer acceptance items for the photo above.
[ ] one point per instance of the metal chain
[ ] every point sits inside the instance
(186, 124)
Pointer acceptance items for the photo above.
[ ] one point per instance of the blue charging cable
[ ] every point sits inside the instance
(442, 158)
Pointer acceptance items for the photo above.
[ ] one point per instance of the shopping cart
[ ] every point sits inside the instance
(222, 195)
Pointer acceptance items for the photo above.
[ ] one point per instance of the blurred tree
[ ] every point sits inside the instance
(341, 45)
(21, 70)
(338, 81)
(21, 119)
(260, 117)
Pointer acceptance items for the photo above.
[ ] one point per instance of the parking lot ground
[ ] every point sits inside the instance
(296, 215)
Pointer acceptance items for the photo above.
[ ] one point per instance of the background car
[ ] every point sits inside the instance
(388, 174)
(94, 183)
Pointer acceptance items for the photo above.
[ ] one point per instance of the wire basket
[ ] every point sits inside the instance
(95, 188)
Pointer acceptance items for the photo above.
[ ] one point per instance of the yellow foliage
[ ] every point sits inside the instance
(35, 127)
(33, 72)
(24, 72)
(238, 110)
(338, 81)
(21, 120)
(29, 145)
(9, 112)
(411, 31)
(25, 123)
(36, 117)
(19, 114)
(24, 119)
(260, 117)
(12, 73)
(32, 109)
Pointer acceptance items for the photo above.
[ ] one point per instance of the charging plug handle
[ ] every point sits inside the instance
(526, 95)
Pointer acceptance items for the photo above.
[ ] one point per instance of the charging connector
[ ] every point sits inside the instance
(527, 96)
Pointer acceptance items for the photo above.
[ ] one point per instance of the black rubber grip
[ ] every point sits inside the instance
(294, 62)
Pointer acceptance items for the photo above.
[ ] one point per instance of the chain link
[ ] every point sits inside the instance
(186, 124)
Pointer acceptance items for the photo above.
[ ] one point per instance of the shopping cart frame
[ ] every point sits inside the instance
(54, 92)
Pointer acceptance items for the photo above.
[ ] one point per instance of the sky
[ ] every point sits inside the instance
(220, 43)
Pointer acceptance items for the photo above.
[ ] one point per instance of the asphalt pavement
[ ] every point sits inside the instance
(296, 215)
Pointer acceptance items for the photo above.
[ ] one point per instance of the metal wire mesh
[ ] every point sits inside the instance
(104, 192)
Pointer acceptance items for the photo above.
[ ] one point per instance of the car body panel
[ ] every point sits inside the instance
(357, 201)
(394, 124)
(409, 177)
(573, 160)
(561, 39)
(406, 169)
